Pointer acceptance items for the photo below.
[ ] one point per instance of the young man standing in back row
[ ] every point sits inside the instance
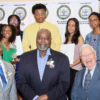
(30, 32)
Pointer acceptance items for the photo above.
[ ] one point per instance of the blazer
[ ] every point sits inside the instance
(78, 92)
(55, 80)
(88, 41)
(10, 92)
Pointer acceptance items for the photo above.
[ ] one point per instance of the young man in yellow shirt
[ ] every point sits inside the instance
(30, 32)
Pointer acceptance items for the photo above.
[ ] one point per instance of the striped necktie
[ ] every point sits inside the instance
(3, 77)
(87, 81)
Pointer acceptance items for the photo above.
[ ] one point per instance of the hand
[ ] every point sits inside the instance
(17, 60)
(71, 65)
(43, 97)
(30, 46)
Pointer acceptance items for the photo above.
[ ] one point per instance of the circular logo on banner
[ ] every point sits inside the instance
(21, 12)
(63, 12)
(2, 14)
(85, 11)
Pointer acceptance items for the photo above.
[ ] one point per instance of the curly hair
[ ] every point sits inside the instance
(38, 6)
(75, 35)
(13, 30)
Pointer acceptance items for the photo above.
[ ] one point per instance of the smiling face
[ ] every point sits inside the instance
(71, 27)
(43, 40)
(40, 15)
(13, 21)
(6, 32)
(94, 21)
(88, 57)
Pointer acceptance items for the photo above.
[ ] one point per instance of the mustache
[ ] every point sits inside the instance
(42, 44)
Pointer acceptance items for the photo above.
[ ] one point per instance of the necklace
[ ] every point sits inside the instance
(7, 47)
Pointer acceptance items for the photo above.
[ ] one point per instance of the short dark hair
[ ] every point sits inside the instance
(75, 35)
(95, 13)
(38, 6)
(13, 36)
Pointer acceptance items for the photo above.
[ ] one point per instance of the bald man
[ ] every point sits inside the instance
(43, 73)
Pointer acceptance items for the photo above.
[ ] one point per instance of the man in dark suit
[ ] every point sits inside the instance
(87, 81)
(43, 73)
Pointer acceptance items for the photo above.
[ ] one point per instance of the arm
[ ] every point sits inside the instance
(76, 62)
(81, 41)
(27, 92)
(63, 82)
(13, 92)
(25, 42)
(57, 39)
(74, 95)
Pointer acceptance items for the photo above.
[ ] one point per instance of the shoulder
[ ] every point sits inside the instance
(89, 34)
(29, 53)
(80, 40)
(8, 65)
(79, 73)
(50, 24)
(30, 26)
(59, 55)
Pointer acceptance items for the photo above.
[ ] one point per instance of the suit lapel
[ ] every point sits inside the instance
(35, 63)
(6, 70)
(47, 68)
(82, 77)
(94, 77)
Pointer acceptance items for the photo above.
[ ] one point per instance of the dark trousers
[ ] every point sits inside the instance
(72, 76)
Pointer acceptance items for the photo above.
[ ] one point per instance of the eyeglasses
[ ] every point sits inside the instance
(94, 20)
(88, 55)
(14, 21)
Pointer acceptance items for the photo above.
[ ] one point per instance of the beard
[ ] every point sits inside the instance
(42, 46)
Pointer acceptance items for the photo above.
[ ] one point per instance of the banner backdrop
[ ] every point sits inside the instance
(58, 13)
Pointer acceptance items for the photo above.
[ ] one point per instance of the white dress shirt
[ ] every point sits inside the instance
(91, 72)
(3, 68)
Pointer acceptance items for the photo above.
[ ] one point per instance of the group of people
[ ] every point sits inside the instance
(42, 72)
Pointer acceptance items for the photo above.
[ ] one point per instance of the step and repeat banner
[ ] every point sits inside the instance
(58, 13)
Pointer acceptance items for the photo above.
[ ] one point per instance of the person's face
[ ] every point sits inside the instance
(94, 21)
(40, 15)
(13, 21)
(6, 32)
(0, 49)
(88, 57)
(43, 40)
(71, 27)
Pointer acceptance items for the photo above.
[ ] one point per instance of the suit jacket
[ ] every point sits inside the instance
(78, 92)
(10, 92)
(55, 80)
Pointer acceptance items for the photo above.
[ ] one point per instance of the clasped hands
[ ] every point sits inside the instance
(43, 97)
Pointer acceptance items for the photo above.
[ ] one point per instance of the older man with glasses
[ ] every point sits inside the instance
(87, 81)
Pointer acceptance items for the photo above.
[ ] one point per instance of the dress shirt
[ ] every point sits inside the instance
(41, 65)
(30, 34)
(3, 68)
(91, 72)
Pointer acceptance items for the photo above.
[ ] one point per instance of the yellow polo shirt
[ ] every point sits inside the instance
(30, 33)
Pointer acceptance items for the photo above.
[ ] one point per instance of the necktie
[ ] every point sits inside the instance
(87, 81)
(2, 77)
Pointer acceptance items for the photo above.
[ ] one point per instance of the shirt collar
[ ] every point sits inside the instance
(92, 70)
(40, 24)
(47, 52)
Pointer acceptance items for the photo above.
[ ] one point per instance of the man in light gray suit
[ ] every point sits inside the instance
(7, 81)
